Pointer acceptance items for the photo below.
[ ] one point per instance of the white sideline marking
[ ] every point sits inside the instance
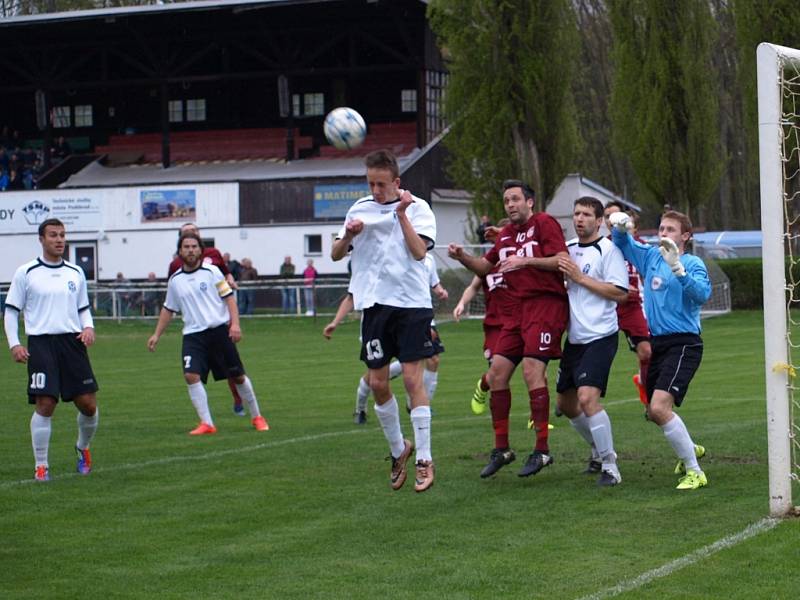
(753, 530)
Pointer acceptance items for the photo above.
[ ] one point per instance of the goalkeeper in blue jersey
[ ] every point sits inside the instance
(676, 285)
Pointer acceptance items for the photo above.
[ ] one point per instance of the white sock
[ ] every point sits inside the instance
(600, 426)
(678, 436)
(395, 369)
(199, 398)
(421, 420)
(362, 395)
(581, 425)
(40, 438)
(248, 395)
(389, 416)
(86, 428)
(429, 380)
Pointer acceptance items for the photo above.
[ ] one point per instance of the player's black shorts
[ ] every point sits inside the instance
(211, 349)
(438, 346)
(587, 364)
(59, 367)
(675, 360)
(388, 331)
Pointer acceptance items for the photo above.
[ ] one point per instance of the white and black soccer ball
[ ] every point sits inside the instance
(345, 128)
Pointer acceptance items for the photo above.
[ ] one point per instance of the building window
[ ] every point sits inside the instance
(435, 86)
(308, 105)
(408, 100)
(61, 117)
(83, 115)
(313, 245)
(176, 111)
(196, 109)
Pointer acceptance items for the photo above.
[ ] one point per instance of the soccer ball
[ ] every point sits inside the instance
(345, 128)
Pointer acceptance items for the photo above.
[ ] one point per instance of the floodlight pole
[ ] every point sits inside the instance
(770, 59)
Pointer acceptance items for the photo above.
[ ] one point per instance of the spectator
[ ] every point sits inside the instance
(234, 266)
(247, 273)
(4, 160)
(124, 299)
(287, 293)
(15, 182)
(151, 298)
(4, 180)
(60, 149)
(309, 277)
(481, 229)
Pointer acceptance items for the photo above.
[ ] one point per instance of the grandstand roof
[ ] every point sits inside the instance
(96, 175)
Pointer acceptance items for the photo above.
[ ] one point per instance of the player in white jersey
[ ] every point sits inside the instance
(389, 233)
(51, 293)
(597, 280)
(210, 331)
(430, 377)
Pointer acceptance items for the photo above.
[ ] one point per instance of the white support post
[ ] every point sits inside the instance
(770, 59)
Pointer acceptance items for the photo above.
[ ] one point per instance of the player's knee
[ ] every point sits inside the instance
(432, 364)
(644, 351)
(191, 378)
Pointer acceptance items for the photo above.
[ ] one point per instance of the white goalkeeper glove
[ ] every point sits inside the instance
(621, 221)
(669, 250)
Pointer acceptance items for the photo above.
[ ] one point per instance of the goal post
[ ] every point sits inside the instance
(778, 71)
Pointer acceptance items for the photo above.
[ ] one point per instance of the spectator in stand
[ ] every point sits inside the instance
(60, 149)
(233, 266)
(151, 299)
(309, 278)
(15, 182)
(482, 227)
(124, 299)
(4, 180)
(247, 273)
(4, 158)
(287, 293)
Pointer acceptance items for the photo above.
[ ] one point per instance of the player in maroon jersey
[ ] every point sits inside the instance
(526, 253)
(214, 257)
(631, 315)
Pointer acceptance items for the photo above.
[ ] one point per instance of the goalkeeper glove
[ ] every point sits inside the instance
(669, 250)
(621, 221)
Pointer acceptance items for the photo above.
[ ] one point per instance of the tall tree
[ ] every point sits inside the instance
(665, 105)
(509, 98)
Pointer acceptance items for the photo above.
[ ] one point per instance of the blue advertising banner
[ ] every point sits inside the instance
(333, 201)
(168, 205)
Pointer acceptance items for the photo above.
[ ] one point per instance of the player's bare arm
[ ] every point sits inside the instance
(164, 317)
(87, 336)
(546, 263)
(234, 328)
(440, 292)
(477, 264)
(491, 233)
(466, 297)
(345, 307)
(416, 245)
(602, 288)
(342, 245)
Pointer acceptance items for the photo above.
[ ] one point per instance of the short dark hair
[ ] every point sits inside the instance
(47, 222)
(527, 190)
(592, 203)
(383, 159)
(189, 235)
(618, 204)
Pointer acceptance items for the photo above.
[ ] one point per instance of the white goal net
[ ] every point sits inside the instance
(779, 161)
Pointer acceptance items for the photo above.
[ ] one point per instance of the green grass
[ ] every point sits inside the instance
(305, 510)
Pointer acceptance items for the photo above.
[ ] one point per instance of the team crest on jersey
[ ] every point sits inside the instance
(586, 268)
(656, 283)
(530, 232)
(203, 286)
(35, 212)
(72, 287)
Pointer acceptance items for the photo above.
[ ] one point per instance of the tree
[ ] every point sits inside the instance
(665, 104)
(509, 97)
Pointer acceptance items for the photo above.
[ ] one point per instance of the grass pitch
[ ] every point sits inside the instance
(305, 510)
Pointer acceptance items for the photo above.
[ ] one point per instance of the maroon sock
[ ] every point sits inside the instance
(500, 403)
(484, 384)
(540, 413)
(237, 399)
(644, 365)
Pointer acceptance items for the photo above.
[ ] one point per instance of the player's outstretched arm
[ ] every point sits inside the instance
(345, 306)
(477, 264)
(234, 328)
(164, 318)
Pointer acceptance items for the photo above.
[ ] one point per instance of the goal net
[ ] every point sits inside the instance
(779, 162)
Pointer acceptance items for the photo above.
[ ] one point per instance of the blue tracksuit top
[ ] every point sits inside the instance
(671, 303)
